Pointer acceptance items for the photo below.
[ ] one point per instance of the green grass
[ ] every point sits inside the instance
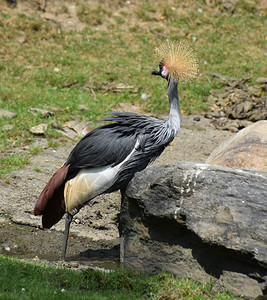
(60, 73)
(36, 150)
(11, 163)
(23, 280)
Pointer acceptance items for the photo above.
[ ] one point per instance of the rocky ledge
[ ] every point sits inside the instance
(199, 221)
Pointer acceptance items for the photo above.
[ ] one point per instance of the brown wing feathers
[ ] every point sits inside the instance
(51, 201)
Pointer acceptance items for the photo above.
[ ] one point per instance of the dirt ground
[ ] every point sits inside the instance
(94, 233)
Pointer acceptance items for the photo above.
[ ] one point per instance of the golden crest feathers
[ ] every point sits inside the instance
(179, 59)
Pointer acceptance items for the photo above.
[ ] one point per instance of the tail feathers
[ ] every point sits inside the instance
(55, 208)
(51, 201)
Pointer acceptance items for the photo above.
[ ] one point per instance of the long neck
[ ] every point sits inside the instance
(174, 117)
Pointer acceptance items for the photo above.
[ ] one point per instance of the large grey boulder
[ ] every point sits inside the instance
(199, 221)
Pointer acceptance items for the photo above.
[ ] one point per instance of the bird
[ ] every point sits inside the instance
(107, 158)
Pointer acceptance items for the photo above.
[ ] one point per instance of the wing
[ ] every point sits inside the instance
(109, 144)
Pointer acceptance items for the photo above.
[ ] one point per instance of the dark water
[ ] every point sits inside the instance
(26, 242)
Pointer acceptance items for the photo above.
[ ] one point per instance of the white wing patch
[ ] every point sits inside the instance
(89, 183)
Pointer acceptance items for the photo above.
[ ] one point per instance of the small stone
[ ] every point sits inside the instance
(8, 127)
(7, 114)
(77, 221)
(56, 125)
(261, 80)
(83, 107)
(40, 143)
(22, 39)
(39, 129)
(229, 6)
(73, 264)
(238, 284)
(143, 96)
(44, 113)
(73, 129)
(7, 248)
(197, 119)
(208, 116)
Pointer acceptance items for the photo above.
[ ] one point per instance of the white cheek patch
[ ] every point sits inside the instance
(165, 71)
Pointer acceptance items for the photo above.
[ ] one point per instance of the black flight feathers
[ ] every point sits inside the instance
(110, 144)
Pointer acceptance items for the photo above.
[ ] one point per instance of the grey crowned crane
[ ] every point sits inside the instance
(106, 159)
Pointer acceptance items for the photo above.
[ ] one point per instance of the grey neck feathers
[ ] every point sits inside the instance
(174, 117)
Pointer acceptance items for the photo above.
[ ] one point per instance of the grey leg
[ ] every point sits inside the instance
(122, 241)
(66, 236)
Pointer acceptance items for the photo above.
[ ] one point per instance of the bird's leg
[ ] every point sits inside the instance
(123, 190)
(66, 236)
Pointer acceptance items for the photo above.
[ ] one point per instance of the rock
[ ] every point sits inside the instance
(40, 143)
(71, 134)
(22, 38)
(223, 123)
(229, 5)
(123, 106)
(198, 221)
(237, 101)
(73, 129)
(144, 96)
(81, 128)
(7, 114)
(83, 107)
(238, 284)
(247, 149)
(8, 127)
(39, 129)
(44, 113)
(261, 80)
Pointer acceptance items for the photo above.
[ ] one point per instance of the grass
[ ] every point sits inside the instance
(23, 280)
(60, 73)
(12, 163)
(36, 150)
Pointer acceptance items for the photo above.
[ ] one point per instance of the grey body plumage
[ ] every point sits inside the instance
(116, 140)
